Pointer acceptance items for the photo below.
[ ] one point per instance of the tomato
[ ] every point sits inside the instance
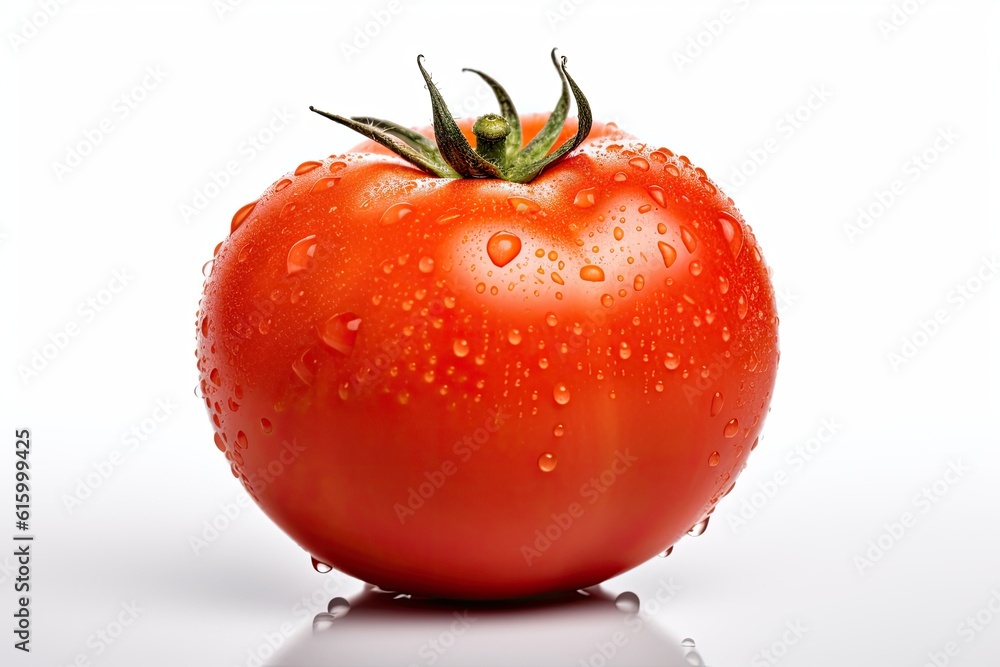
(482, 387)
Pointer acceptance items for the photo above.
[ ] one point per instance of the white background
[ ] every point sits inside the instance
(847, 302)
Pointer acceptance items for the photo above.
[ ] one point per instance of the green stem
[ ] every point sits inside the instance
(491, 133)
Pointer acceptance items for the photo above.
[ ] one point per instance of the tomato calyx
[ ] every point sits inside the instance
(498, 152)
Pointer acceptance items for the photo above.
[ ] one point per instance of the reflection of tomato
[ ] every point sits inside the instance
(482, 388)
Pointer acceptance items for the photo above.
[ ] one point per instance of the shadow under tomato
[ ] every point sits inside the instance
(585, 628)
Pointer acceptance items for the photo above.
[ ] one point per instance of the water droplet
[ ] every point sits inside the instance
(287, 210)
(638, 283)
(559, 430)
(713, 459)
(666, 553)
(645, 208)
(699, 528)
(503, 247)
(215, 377)
(732, 230)
(756, 441)
(551, 319)
(320, 566)
(661, 228)
(241, 440)
(547, 462)
(717, 402)
(668, 252)
(523, 205)
(481, 287)
(671, 361)
(557, 279)
(627, 602)
(543, 363)
(723, 284)
(306, 167)
(732, 428)
(619, 233)
(265, 425)
(725, 334)
(689, 239)
(561, 394)
(282, 184)
(514, 337)
(306, 365)
(640, 163)
(672, 170)
(301, 253)
(687, 642)
(585, 198)
(338, 607)
(460, 347)
(426, 264)
(219, 443)
(241, 215)
(741, 306)
(591, 273)
(340, 331)
(658, 194)
(621, 176)
(323, 622)
(607, 300)
(323, 184)
(695, 268)
(337, 166)
(624, 351)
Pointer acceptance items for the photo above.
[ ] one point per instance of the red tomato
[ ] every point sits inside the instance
(479, 388)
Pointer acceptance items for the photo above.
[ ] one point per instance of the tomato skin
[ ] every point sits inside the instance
(387, 393)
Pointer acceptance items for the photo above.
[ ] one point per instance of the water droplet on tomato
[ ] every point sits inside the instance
(514, 337)
(619, 233)
(547, 462)
(551, 319)
(592, 273)
(638, 283)
(717, 401)
(624, 351)
(396, 212)
(282, 184)
(215, 377)
(699, 528)
(523, 205)
(219, 443)
(723, 284)
(713, 459)
(460, 347)
(689, 239)
(300, 254)
(559, 430)
(585, 198)
(340, 332)
(741, 306)
(666, 553)
(658, 194)
(448, 216)
(668, 253)
(503, 247)
(557, 279)
(732, 428)
(426, 264)
(621, 176)
(265, 425)
(306, 167)
(241, 215)
(561, 394)
(732, 231)
(695, 268)
(607, 300)
(323, 184)
(241, 440)
(640, 163)
(287, 210)
(627, 603)
(671, 361)
(320, 566)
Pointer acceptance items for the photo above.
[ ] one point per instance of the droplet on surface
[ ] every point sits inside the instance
(668, 253)
(426, 264)
(320, 566)
(592, 273)
(713, 459)
(551, 319)
(503, 247)
(265, 425)
(547, 462)
(741, 306)
(640, 163)
(717, 401)
(460, 347)
(287, 210)
(699, 528)
(627, 602)
(561, 394)
(340, 332)
(282, 184)
(732, 428)
(338, 607)
(523, 205)
(666, 553)
(241, 215)
(671, 361)
(732, 231)
(638, 283)
(396, 212)
(514, 337)
(607, 300)
(621, 176)
(301, 253)
(624, 351)
(689, 239)
(619, 233)
(306, 167)
(323, 184)
(559, 430)
(687, 642)
(658, 194)
(695, 268)
(448, 216)
(585, 198)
